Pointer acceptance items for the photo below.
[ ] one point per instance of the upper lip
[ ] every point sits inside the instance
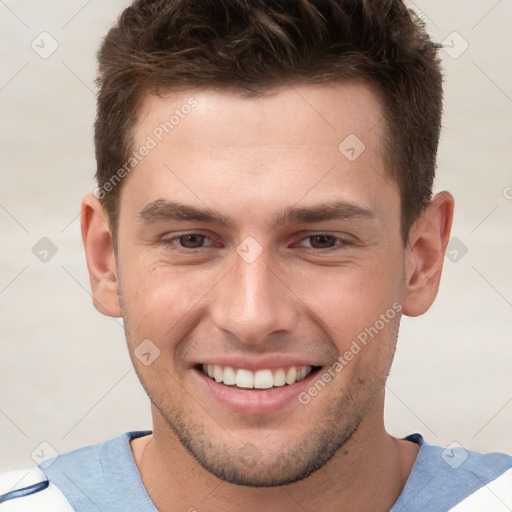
(269, 361)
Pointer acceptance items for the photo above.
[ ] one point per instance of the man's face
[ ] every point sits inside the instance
(308, 256)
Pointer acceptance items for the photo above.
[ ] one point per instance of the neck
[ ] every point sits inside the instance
(367, 474)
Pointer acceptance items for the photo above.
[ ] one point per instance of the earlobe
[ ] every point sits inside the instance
(99, 251)
(424, 259)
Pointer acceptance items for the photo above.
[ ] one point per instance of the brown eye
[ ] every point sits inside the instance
(322, 241)
(192, 241)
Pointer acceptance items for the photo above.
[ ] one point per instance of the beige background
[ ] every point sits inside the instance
(65, 375)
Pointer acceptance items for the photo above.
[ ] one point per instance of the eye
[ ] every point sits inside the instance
(187, 241)
(191, 241)
(324, 241)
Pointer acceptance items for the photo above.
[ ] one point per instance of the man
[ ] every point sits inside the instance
(264, 217)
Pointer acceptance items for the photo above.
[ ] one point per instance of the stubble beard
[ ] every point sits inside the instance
(248, 465)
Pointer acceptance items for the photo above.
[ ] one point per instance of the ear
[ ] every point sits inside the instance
(99, 252)
(424, 258)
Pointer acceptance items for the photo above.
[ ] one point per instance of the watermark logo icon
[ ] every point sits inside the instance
(44, 250)
(44, 454)
(455, 45)
(454, 455)
(45, 45)
(147, 352)
(456, 250)
(249, 250)
(249, 454)
(352, 147)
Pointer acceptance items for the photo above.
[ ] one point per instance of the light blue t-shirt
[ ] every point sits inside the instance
(105, 477)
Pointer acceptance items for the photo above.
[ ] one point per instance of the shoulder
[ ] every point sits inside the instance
(454, 478)
(73, 480)
(30, 491)
(495, 496)
(487, 479)
(103, 476)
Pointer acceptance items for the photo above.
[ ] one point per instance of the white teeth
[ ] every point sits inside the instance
(229, 376)
(301, 373)
(279, 378)
(218, 374)
(244, 379)
(291, 376)
(261, 379)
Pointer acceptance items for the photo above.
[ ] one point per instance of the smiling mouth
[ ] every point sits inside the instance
(260, 379)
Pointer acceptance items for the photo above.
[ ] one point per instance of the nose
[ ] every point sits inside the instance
(253, 302)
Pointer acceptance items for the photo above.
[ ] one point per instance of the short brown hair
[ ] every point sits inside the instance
(251, 46)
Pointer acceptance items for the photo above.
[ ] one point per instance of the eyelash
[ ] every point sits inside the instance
(343, 243)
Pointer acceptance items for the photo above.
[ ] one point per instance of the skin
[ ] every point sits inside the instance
(249, 159)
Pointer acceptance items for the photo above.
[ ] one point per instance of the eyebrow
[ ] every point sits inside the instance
(163, 210)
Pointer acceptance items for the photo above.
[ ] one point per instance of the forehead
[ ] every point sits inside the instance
(206, 144)
(309, 113)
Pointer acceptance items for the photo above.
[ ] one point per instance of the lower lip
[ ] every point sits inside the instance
(254, 401)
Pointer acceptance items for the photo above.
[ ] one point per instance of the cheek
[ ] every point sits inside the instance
(348, 300)
(164, 303)
(160, 300)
